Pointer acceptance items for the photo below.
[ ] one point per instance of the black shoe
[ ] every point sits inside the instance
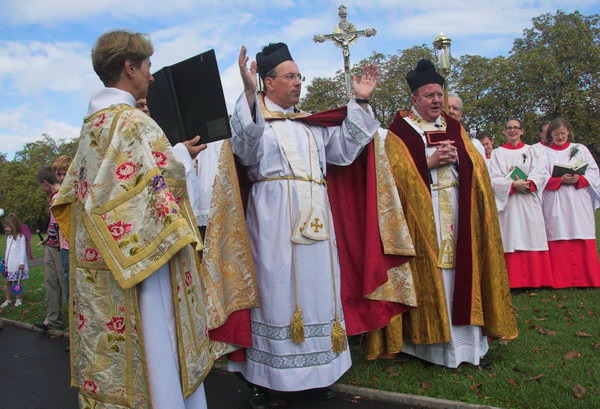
(41, 325)
(259, 398)
(320, 393)
(485, 364)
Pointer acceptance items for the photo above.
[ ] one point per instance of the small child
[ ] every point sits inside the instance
(15, 258)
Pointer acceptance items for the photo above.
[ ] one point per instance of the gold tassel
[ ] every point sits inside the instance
(338, 337)
(297, 326)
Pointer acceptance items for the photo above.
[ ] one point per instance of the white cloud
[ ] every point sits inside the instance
(51, 13)
(22, 124)
(32, 67)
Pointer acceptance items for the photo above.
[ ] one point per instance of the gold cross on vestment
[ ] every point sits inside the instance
(344, 36)
(316, 225)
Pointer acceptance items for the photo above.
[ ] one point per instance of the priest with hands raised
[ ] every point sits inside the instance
(298, 332)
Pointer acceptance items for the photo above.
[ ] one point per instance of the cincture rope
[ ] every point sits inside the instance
(338, 334)
(297, 324)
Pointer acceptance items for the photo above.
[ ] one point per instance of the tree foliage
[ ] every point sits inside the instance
(552, 71)
(21, 193)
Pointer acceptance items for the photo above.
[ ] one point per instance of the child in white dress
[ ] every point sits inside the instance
(15, 259)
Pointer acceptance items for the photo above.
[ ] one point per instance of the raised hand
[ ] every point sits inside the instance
(248, 75)
(364, 86)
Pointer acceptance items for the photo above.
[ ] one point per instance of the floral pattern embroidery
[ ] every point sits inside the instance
(158, 183)
(90, 386)
(126, 170)
(98, 122)
(81, 321)
(118, 229)
(116, 324)
(162, 210)
(91, 255)
(188, 278)
(160, 158)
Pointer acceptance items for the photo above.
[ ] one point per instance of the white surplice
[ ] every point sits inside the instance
(520, 214)
(468, 344)
(275, 361)
(199, 177)
(156, 311)
(569, 212)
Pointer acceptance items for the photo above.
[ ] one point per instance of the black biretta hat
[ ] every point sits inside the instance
(270, 57)
(423, 74)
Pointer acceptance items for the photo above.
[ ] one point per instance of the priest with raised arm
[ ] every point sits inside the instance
(299, 332)
(460, 275)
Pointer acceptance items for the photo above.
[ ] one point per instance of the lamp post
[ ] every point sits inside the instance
(441, 48)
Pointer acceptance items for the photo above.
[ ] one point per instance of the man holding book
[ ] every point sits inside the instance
(462, 287)
(519, 175)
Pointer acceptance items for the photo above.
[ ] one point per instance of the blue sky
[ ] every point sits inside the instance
(46, 76)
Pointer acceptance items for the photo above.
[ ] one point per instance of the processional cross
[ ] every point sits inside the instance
(344, 36)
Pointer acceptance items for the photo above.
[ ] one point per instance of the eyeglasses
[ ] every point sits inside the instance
(431, 95)
(290, 77)
(510, 128)
(559, 133)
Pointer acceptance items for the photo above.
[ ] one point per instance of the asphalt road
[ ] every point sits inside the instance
(34, 374)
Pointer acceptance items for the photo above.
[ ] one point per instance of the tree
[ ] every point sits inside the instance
(556, 70)
(391, 94)
(485, 86)
(21, 193)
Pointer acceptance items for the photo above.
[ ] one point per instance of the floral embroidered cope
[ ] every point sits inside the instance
(124, 207)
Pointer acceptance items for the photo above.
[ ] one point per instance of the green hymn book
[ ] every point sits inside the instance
(516, 173)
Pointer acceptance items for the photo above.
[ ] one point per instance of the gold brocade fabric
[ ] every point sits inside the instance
(124, 208)
(394, 234)
(491, 301)
(227, 267)
(428, 323)
(446, 258)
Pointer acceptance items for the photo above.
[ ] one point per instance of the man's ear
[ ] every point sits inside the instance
(268, 83)
(129, 68)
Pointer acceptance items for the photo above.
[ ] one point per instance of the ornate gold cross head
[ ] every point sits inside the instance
(344, 36)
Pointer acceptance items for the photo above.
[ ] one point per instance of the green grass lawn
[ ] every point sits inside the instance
(553, 364)
(558, 348)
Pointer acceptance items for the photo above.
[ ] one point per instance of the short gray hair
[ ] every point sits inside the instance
(454, 94)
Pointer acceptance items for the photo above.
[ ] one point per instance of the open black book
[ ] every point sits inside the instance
(186, 99)
(559, 170)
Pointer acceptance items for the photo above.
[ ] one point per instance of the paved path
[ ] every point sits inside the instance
(34, 374)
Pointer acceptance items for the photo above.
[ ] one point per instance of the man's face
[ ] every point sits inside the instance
(142, 105)
(284, 89)
(46, 187)
(142, 79)
(513, 132)
(454, 108)
(429, 101)
(488, 145)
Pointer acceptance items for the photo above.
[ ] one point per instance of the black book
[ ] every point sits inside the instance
(186, 99)
(559, 170)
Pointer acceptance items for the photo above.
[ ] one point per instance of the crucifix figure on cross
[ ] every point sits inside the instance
(344, 36)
